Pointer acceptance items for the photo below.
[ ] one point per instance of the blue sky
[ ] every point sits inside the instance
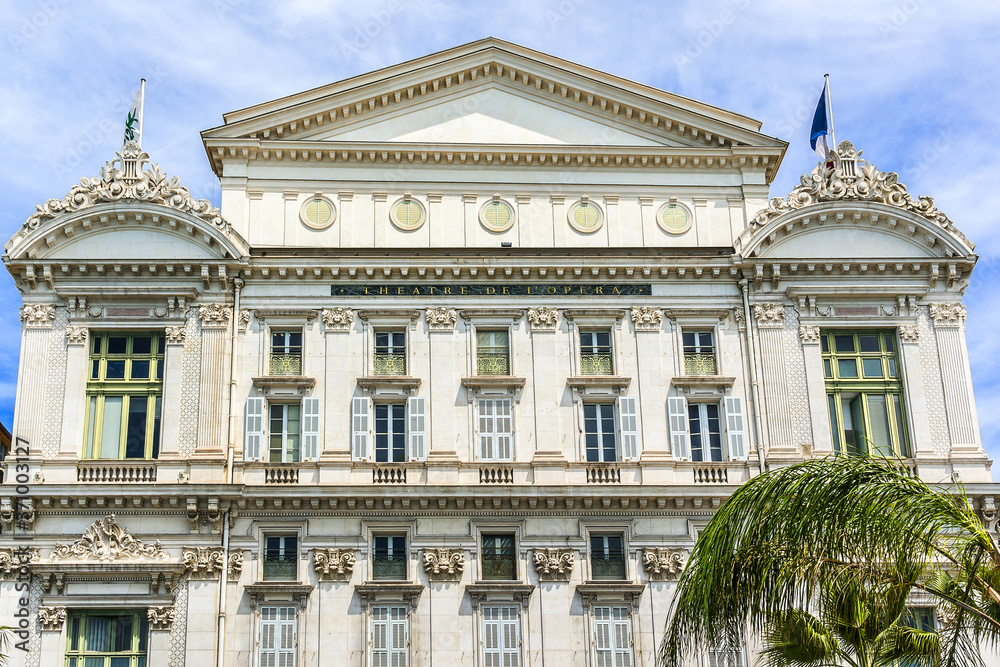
(914, 85)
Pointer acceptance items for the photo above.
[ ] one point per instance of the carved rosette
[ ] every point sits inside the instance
(543, 318)
(338, 319)
(441, 318)
(35, 316)
(334, 564)
(444, 563)
(176, 335)
(235, 565)
(105, 540)
(161, 618)
(214, 316)
(202, 562)
(554, 564)
(947, 314)
(809, 334)
(76, 335)
(663, 563)
(51, 618)
(769, 315)
(909, 334)
(647, 318)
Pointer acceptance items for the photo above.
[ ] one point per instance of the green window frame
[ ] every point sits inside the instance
(865, 396)
(107, 638)
(124, 395)
(284, 432)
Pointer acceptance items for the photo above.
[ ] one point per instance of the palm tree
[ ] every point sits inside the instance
(849, 538)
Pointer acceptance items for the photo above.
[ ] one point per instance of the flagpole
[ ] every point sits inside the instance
(142, 106)
(829, 103)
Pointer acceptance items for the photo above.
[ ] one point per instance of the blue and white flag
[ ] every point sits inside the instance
(820, 128)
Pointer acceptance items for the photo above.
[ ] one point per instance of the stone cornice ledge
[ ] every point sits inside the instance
(582, 383)
(517, 591)
(594, 591)
(371, 383)
(299, 383)
(372, 591)
(259, 592)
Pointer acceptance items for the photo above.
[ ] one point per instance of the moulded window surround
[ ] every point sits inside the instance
(286, 352)
(290, 430)
(499, 556)
(492, 352)
(497, 215)
(585, 216)
(701, 430)
(674, 218)
(278, 635)
(388, 431)
(107, 638)
(407, 213)
(318, 212)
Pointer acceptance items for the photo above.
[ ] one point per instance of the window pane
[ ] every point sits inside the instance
(91, 426)
(156, 429)
(111, 427)
(834, 425)
(140, 370)
(868, 343)
(95, 369)
(694, 426)
(900, 426)
(844, 343)
(122, 633)
(879, 417)
(499, 557)
(827, 370)
(892, 367)
(825, 343)
(860, 438)
(135, 433)
(115, 369)
(117, 344)
(141, 345)
(872, 367)
(847, 368)
(890, 342)
(98, 633)
(714, 430)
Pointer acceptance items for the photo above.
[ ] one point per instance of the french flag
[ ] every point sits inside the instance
(821, 126)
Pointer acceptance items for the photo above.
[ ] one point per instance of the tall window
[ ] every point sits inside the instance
(124, 392)
(284, 430)
(277, 636)
(595, 353)
(390, 432)
(864, 392)
(286, 353)
(706, 431)
(496, 432)
(501, 636)
(699, 353)
(107, 639)
(390, 640)
(280, 557)
(492, 353)
(499, 557)
(607, 557)
(599, 432)
(390, 353)
(612, 636)
(390, 557)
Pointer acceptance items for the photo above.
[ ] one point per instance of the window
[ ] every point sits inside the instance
(496, 433)
(595, 353)
(283, 428)
(399, 430)
(725, 658)
(390, 636)
(124, 393)
(292, 431)
(499, 557)
(922, 619)
(699, 353)
(864, 392)
(674, 219)
(286, 353)
(280, 557)
(390, 557)
(612, 636)
(277, 636)
(492, 353)
(407, 214)
(585, 216)
(107, 639)
(390, 433)
(599, 432)
(706, 431)
(501, 636)
(318, 212)
(695, 429)
(497, 215)
(390, 353)
(607, 557)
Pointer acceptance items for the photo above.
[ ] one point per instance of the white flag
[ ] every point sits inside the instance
(133, 122)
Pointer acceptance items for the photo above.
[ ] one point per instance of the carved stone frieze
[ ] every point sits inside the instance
(338, 319)
(909, 334)
(51, 618)
(105, 540)
(76, 335)
(947, 314)
(202, 562)
(647, 318)
(444, 563)
(769, 315)
(235, 565)
(214, 316)
(554, 564)
(663, 563)
(809, 334)
(38, 315)
(441, 318)
(543, 318)
(334, 564)
(161, 618)
(176, 335)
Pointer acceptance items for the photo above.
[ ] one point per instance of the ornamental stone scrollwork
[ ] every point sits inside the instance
(809, 334)
(76, 335)
(444, 563)
(741, 319)
(852, 178)
(769, 315)
(244, 319)
(338, 319)
(176, 335)
(647, 318)
(51, 618)
(105, 540)
(663, 563)
(235, 565)
(161, 618)
(947, 314)
(38, 315)
(12, 559)
(543, 318)
(442, 318)
(202, 562)
(909, 334)
(214, 316)
(334, 564)
(554, 564)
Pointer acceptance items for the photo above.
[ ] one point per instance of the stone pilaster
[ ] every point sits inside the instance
(819, 417)
(173, 355)
(29, 416)
(949, 329)
(215, 320)
(75, 399)
(770, 327)
(916, 401)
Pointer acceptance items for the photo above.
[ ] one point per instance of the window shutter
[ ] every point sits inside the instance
(510, 632)
(504, 430)
(310, 429)
(399, 636)
(416, 409)
(286, 637)
(253, 444)
(679, 441)
(602, 634)
(629, 427)
(492, 652)
(487, 451)
(734, 428)
(622, 628)
(361, 408)
(380, 635)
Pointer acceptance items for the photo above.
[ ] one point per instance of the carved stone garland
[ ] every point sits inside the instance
(442, 318)
(334, 564)
(444, 563)
(647, 318)
(105, 540)
(202, 562)
(51, 618)
(663, 563)
(161, 618)
(338, 319)
(554, 564)
(543, 318)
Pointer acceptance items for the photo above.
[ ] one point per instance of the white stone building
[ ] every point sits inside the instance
(475, 346)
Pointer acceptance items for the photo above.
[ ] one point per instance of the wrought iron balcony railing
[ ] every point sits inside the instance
(286, 364)
(595, 364)
(280, 568)
(492, 363)
(389, 364)
(389, 567)
(608, 567)
(502, 566)
(700, 364)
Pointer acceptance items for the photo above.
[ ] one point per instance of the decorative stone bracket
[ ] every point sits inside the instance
(235, 565)
(647, 318)
(17, 511)
(554, 564)
(12, 559)
(445, 564)
(203, 562)
(161, 618)
(334, 564)
(52, 618)
(441, 318)
(543, 318)
(338, 319)
(663, 563)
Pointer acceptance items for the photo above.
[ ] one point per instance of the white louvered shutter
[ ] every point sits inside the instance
(496, 430)
(277, 636)
(253, 442)
(510, 633)
(416, 411)
(310, 429)
(380, 636)
(621, 626)
(628, 424)
(286, 637)
(399, 637)
(487, 430)
(603, 646)
(680, 446)
(504, 430)
(361, 410)
(735, 429)
(492, 647)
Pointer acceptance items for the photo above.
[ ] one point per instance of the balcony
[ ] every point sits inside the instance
(611, 566)
(389, 364)
(700, 364)
(492, 363)
(116, 472)
(286, 364)
(280, 567)
(595, 364)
